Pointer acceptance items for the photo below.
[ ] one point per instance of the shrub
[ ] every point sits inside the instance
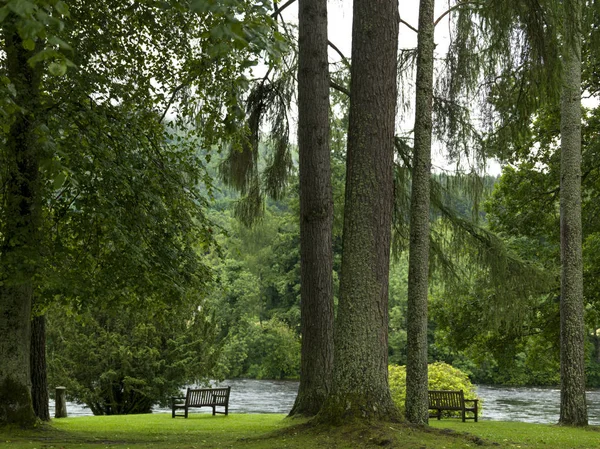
(441, 377)
(125, 360)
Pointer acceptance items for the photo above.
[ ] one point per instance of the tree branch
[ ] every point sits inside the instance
(339, 88)
(170, 103)
(279, 10)
(409, 26)
(455, 7)
(339, 52)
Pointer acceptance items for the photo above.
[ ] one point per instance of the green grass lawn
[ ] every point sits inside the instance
(160, 431)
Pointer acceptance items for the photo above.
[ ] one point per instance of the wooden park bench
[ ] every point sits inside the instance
(442, 400)
(202, 397)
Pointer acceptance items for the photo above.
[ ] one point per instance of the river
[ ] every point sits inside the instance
(535, 405)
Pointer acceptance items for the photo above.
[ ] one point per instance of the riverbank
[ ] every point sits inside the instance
(522, 404)
(271, 431)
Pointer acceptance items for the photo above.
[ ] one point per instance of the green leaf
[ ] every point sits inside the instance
(11, 89)
(3, 13)
(29, 44)
(59, 180)
(200, 6)
(44, 55)
(238, 28)
(58, 68)
(22, 8)
(62, 8)
(57, 41)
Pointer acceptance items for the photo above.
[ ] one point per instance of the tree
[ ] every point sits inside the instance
(360, 385)
(316, 209)
(20, 221)
(124, 84)
(573, 409)
(539, 62)
(124, 360)
(418, 273)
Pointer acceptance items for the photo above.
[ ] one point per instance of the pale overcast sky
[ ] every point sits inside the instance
(340, 34)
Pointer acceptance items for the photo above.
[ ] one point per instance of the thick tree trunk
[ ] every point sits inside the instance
(573, 409)
(316, 209)
(18, 235)
(418, 265)
(39, 378)
(360, 381)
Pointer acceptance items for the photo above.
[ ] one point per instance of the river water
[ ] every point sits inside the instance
(535, 405)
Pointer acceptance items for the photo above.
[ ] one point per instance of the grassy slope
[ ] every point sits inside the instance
(160, 431)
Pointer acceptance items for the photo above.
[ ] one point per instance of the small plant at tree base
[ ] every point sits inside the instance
(441, 377)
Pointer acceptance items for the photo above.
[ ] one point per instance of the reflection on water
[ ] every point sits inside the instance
(535, 405)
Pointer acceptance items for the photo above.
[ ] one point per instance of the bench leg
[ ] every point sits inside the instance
(214, 411)
(186, 412)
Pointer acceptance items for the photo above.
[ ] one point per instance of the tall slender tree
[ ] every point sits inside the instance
(316, 209)
(418, 265)
(573, 410)
(360, 381)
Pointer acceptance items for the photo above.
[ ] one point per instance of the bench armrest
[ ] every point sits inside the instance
(174, 398)
(475, 401)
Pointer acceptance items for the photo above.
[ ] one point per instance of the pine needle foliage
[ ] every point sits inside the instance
(523, 68)
(503, 55)
(242, 168)
(463, 252)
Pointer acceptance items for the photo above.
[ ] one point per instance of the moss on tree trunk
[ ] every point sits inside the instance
(360, 384)
(316, 209)
(418, 267)
(573, 409)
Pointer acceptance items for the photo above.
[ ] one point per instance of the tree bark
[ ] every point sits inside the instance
(360, 375)
(573, 409)
(19, 234)
(316, 210)
(39, 378)
(418, 265)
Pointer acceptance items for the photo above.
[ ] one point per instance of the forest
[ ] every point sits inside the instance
(199, 190)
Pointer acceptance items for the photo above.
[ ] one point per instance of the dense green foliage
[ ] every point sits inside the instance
(123, 360)
(256, 299)
(523, 209)
(129, 98)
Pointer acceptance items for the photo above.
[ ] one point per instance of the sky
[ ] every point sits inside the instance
(340, 34)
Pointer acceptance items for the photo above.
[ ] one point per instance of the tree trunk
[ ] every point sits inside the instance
(418, 265)
(19, 234)
(39, 378)
(316, 210)
(360, 374)
(573, 409)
